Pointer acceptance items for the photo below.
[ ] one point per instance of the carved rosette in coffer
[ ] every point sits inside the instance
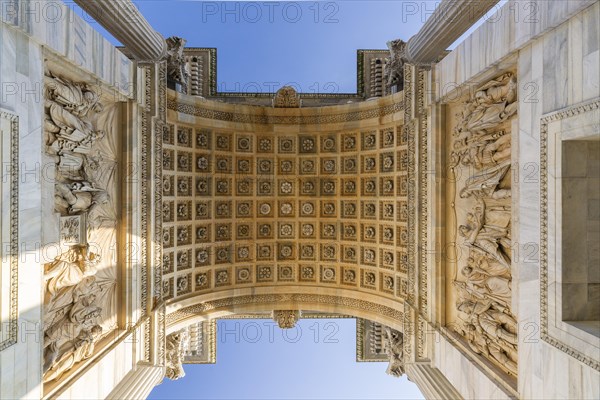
(242, 209)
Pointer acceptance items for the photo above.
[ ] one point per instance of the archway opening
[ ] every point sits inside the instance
(317, 358)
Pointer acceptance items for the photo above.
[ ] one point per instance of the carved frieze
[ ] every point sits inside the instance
(79, 284)
(480, 163)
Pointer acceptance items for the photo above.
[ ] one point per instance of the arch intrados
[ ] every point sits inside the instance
(202, 307)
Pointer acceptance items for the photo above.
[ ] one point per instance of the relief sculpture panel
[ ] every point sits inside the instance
(80, 282)
(479, 224)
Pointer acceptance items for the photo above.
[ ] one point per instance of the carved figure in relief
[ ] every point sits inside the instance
(504, 354)
(486, 183)
(485, 294)
(71, 313)
(483, 151)
(394, 70)
(485, 286)
(82, 315)
(67, 335)
(60, 304)
(70, 268)
(394, 347)
(497, 324)
(76, 197)
(78, 98)
(176, 64)
(76, 306)
(174, 355)
(67, 107)
(479, 261)
(74, 351)
(492, 104)
(488, 232)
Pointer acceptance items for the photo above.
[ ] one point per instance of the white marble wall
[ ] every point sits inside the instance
(65, 30)
(20, 69)
(101, 378)
(563, 68)
(556, 53)
(510, 29)
(463, 374)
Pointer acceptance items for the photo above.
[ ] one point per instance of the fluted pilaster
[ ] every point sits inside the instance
(124, 21)
(138, 383)
(431, 382)
(448, 22)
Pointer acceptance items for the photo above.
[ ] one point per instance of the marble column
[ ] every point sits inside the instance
(125, 22)
(138, 383)
(431, 382)
(448, 22)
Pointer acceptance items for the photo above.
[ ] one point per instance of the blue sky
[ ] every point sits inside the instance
(265, 45)
(309, 44)
(257, 360)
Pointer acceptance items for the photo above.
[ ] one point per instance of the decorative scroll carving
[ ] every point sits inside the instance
(394, 347)
(287, 97)
(394, 70)
(480, 161)
(174, 355)
(286, 319)
(176, 64)
(79, 284)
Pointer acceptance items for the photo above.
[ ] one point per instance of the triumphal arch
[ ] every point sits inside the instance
(451, 204)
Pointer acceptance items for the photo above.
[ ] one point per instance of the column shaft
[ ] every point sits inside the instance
(431, 382)
(448, 22)
(138, 383)
(124, 21)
